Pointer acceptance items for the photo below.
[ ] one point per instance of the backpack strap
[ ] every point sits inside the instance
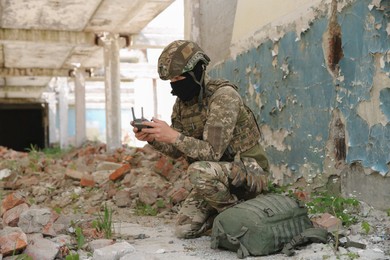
(242, 251)
(350, 243)
(315, 235)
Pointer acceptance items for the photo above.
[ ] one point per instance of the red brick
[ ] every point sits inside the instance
(11, 240)
(328, 222)
(120, 172)
(11, 216)
(179, 195)
(87, 182)
(302, 195)
(11, 201)
(164, 167)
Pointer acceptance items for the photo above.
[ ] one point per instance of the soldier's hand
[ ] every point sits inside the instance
(238, 177)
(256, 182)
(142, 136)
(160, 131)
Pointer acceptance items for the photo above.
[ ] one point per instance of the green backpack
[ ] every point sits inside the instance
(264, 225)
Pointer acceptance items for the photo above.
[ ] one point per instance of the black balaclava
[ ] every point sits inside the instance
(189, 88)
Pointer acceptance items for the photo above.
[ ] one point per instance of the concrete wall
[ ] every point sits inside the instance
(318, 81)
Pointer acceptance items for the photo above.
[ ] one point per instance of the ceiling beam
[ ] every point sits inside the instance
(71, 37)
(34, 72)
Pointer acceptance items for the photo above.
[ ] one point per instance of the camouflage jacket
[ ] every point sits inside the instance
(216, 129)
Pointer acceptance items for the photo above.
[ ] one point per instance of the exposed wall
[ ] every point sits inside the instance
(210, 23)
(320, 87)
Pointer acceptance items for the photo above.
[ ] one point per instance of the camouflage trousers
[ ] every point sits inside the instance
(212, 193)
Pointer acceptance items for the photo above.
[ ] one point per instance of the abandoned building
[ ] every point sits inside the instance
(316, 74)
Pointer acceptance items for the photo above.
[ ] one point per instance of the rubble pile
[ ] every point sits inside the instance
(47, 195)
(57, 204)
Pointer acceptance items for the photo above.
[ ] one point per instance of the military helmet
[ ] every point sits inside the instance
(179, 57)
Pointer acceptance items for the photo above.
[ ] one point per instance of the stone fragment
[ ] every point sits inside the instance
(12, 239)
(148, 195)
(99, 243)
(122, 198)
(74, 174)
(42, 248)
(115, 251)
(108, 166)
(101, 176)
(11, 200)
(33, 220)
(11, 216)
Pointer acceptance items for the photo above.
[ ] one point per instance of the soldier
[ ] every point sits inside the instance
(215, 131)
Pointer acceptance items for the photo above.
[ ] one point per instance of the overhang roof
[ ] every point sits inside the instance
(42, 39)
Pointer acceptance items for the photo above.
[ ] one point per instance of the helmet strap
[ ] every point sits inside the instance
(200, 83)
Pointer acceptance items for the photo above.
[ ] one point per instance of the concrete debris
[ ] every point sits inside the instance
(59, 205)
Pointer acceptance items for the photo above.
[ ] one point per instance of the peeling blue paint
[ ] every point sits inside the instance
(302, 100)
(361, 40)
(384, 97)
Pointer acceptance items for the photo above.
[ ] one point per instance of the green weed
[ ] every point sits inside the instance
(343, 208)
(366, 227)
(160, 203)
(352, 255)
(104, 222)
(23, 257)
(72, 257)
(143, 209)
(80, 238)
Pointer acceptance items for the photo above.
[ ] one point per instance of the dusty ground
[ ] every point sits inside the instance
(41, 177)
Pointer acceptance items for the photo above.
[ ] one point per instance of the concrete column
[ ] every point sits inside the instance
(52, 103)
(111, 46)
(63, 111)
(80, 108)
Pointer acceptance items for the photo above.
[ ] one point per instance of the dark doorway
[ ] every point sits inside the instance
(23, 126)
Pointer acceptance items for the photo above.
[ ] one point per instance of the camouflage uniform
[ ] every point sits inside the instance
(219, 136)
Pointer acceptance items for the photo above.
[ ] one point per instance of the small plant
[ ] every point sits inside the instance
(273, 188)
(388, 212)
(160, 204)
(72, 257)
(366, 227)
(23, 257)
(80, 238)
(104, 222)
(143, 209)
(337, 206)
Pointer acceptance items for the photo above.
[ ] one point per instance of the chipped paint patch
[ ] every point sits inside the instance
(275, 138)
(370, 110)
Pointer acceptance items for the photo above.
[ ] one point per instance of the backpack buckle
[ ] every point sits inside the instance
(269, 212)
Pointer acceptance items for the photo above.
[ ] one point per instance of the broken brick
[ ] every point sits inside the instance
(179, 195)
(11, 201)
(12, 239)
(164, 167)
(328, 222)
(11, 216)
(120, 172)
(87, 182)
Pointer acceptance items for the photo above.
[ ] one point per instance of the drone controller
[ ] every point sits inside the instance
(137, 122)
